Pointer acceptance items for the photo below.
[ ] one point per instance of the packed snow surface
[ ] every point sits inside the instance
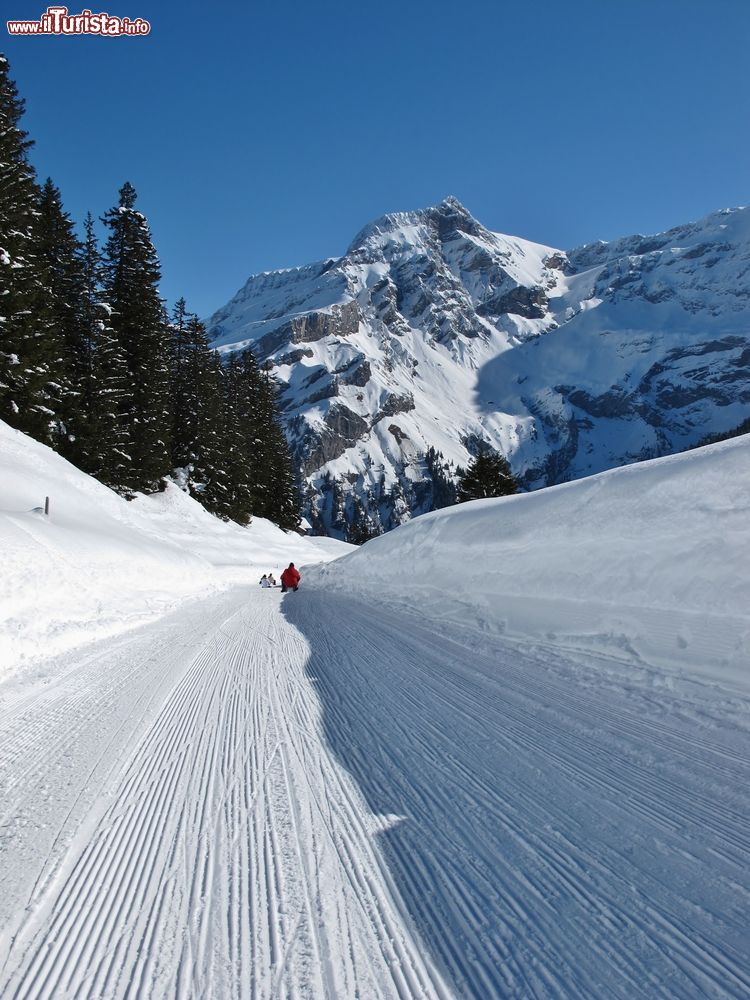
(366, 789)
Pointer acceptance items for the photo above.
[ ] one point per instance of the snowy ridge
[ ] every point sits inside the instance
(645, 563)
(432, 331)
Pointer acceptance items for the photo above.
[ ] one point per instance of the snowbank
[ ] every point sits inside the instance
(650, 562)
(99, 565)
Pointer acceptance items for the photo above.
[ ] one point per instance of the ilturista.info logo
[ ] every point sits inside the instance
(57, 21)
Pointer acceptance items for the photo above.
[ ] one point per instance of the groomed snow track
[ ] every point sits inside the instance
(234, 857)
(309, 797)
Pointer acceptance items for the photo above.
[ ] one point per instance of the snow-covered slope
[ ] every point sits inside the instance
(99, 565)
(432, 331)
(648, 563)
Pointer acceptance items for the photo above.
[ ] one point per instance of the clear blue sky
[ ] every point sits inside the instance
(265, 135)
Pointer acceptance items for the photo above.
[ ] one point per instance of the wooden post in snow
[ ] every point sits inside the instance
(46, 506)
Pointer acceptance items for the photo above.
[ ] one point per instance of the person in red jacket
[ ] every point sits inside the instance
(289, 578)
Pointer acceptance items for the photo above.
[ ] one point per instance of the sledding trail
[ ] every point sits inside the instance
(312, 797)
(557, 828)
(228, 855)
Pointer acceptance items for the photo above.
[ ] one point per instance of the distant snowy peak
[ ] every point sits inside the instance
(446, 223)
(444, 244)
(449, 233)
(722, 229)
(702, 266)
(433, 332)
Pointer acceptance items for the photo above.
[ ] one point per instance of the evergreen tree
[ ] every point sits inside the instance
(210, 481)
(338, 508)
(284, 500)
(239, 415)
(259, 463)
(443, 487)
(102, 444)
(186, 340)
(131, 284)
(59, 268)
(313, 501)
(198, 419)
(279, 500)
(256, 426)
(363, 526)
(397, 505)
(488, 475)
(30, 353)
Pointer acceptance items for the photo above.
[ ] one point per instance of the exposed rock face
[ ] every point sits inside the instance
(396, 431)
(394, 403)
(293, 356)
(529, 302)
(340, 321)
(567, 362)
(341, 429)
(357, 372)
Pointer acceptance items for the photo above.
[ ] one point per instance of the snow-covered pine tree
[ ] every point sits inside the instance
(29, 348)
(339, 522)
(398, 505)
(198, 421)
(443, 487)
(313, 501)
(285, 503)
(258, 459)
(264, 465)
(210, 480)
(184, 387)
(363, 526)
(254, 424)
(59, 267)
(488, 475)
(279, 499)
(102, 445)
(131, 286)
(238, 436)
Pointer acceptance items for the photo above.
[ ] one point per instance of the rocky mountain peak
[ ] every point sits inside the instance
(451, 217)
(420, 228)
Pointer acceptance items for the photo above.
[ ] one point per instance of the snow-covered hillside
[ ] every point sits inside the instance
(647, 563)
(432, 331)
(99, 565)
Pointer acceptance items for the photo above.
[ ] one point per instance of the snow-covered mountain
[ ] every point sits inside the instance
(432, 332)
